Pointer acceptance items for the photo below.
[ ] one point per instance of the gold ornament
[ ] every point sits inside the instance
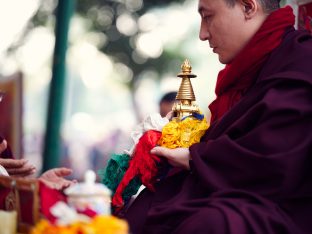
(185, 104)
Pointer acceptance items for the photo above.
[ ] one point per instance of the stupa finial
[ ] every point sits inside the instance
(185, 100)
(186, 67)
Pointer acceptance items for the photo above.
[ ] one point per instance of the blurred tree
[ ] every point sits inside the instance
(111, 16)
(105, 16)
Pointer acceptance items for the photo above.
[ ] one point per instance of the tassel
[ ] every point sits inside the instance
(143, 164)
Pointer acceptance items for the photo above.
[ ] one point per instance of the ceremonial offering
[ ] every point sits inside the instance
(89, 195)
(188, 124)
(125, 173)
(185, 104)
(86, 211)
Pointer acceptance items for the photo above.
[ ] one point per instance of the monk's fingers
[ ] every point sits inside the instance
(18, 167)
(66, 184)
(29, 172)
(12, 163)
(59, 184)
(178, 157)
(171, 153)
(26, 170)
(162, 151)
(56, 173)
(62, 185)
(62, 171)
(21, 173)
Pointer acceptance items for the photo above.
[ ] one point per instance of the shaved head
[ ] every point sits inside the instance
(267, 5)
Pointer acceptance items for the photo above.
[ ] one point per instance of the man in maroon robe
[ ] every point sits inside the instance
(252, 170)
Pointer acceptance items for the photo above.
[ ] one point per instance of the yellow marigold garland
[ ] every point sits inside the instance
(98, 225)
(183, 133)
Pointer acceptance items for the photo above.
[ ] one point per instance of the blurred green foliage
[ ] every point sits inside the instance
(102, 16)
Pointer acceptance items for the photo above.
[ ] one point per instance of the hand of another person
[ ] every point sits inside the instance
(17, 167)
(54, 178)
(178, 157)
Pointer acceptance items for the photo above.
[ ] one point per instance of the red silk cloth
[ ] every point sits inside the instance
(142, 164)
(237, 77)
(48, 198)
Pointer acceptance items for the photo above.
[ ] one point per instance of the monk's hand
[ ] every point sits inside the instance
(54, 178)
(178, 157)
(17, 167)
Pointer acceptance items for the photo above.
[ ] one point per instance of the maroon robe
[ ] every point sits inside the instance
(7, 153)
(252, 171)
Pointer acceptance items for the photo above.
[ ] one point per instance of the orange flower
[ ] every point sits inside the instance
(183, 133)
(99, 225)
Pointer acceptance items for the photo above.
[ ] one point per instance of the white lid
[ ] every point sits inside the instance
(88, 187)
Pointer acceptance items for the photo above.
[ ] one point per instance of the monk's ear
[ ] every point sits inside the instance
(249, 7)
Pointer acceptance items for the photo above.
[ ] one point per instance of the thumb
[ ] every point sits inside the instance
(160, 151)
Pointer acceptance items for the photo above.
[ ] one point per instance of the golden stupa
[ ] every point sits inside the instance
(185, 104)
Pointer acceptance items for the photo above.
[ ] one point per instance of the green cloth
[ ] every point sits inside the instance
(113, 173)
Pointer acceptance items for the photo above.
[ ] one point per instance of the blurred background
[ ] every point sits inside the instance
(121, 57)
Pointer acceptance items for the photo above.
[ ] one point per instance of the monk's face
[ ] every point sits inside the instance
(225, 27)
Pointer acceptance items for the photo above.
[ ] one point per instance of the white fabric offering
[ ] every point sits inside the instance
(3, 171)
(151, 122)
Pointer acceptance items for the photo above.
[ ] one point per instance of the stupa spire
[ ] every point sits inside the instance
(185, 100)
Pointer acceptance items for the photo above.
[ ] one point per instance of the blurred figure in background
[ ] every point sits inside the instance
(166, 103)
(118, 141)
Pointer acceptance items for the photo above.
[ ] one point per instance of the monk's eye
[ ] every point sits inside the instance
(207, 18)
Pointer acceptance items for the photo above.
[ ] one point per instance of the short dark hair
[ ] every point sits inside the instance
(268, 5)
(168, 97)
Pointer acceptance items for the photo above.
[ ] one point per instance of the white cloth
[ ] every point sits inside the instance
(66, 215)
(151, 122)
(3, 171)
